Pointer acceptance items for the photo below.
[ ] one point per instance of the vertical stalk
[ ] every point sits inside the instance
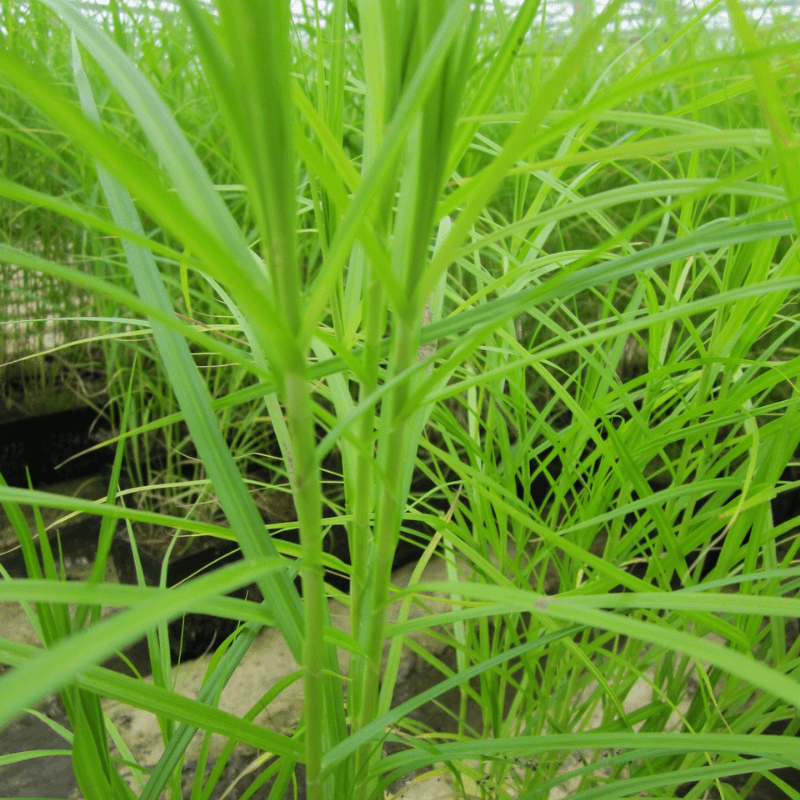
(363, 500)
(308, 501)
(390, 505)
(361, 703)
(396, 41)
(377, 18)
(264, 114)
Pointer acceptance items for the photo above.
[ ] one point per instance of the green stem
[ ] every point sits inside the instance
(392, 444)
(308, 501)
(364, 500)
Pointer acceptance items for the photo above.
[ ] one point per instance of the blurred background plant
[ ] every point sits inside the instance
(515, 283)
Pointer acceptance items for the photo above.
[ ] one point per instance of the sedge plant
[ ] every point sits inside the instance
(506, 272)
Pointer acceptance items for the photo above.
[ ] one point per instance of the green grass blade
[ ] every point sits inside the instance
(156, 700)
(60, 664)
(195, 403)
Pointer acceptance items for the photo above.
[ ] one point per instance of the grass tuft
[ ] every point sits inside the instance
(466, 283)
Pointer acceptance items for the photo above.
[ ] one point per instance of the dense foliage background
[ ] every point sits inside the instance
(492, 280)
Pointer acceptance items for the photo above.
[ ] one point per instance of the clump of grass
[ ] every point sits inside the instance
(563, 300)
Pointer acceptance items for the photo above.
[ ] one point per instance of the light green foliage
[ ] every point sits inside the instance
(548, 274)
